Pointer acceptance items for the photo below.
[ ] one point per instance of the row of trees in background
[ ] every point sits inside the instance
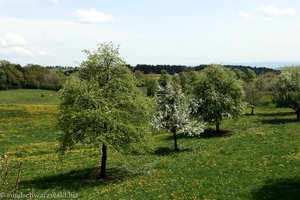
(50, 77)
(13, 76)
(176, 69)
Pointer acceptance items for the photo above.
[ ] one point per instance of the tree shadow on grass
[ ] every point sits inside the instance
(208, 133)
(278, 189)
(278, 121)
(78, 179)
(164, 151)
(276, 114)
(211, 133)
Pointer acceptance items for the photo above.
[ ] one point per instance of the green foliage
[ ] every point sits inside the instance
(186, 80)
(288, 89)
(252, 94)
(249, 75)
(102, 105)
(239, 73)
(31, 76)
(2, 79)
(140, 77)
(164, 78)
(100, 62)
(266, 83)
(152, 86)
(38, 77)
(218, 95)
(11, 75)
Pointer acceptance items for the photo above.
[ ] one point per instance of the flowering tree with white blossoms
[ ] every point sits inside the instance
(175, 113)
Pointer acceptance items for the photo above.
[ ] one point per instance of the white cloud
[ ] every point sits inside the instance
(55, 2)
(93, 16)
(275, 11)
(12, 39)
(16, 51)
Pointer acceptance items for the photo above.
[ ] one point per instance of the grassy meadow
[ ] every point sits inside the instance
(258, 159)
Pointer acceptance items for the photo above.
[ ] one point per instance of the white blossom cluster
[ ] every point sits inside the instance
(175, 111)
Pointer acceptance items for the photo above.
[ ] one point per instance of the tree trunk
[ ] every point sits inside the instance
(252, 110)
(217, 126)
(175, 140)
(103, 162)
(298, 114)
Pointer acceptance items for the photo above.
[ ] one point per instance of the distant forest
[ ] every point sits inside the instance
(51, 77)
(172, 69)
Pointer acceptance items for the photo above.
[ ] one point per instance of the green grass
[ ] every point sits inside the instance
(28, 96)
(260, 159)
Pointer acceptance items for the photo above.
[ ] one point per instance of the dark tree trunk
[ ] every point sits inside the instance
(175, 140)
(103, 162)
(252, 110)
(298, 114)
(218, 126)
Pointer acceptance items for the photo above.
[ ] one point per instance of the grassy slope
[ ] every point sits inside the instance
(261, 159)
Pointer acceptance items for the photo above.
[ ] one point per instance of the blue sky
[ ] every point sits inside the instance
(190, 32)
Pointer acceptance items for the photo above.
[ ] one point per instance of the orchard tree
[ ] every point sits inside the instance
(186, 80)
(164, 78)
(219, 94)
(287, 92)
(140, 77)
(252, 95)
(151, 85)
(174, 112)
(249, 75)
(101, 106)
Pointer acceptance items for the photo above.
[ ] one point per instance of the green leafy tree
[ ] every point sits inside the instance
(2, 79)
(287, 92)
(249, 76)
(174, 112)
(252, 95)
(11, 75)
(186, 80)
(164, 78)
(140, 77)
(102, 105)
(239, 74)
(34, 75)
(219, 94)
(152, 86)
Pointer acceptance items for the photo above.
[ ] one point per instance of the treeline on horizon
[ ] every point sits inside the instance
(34, 76)
(176, 69)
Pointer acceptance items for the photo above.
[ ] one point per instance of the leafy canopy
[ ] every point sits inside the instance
(219, 94)
(288, 88)
(102, 105)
